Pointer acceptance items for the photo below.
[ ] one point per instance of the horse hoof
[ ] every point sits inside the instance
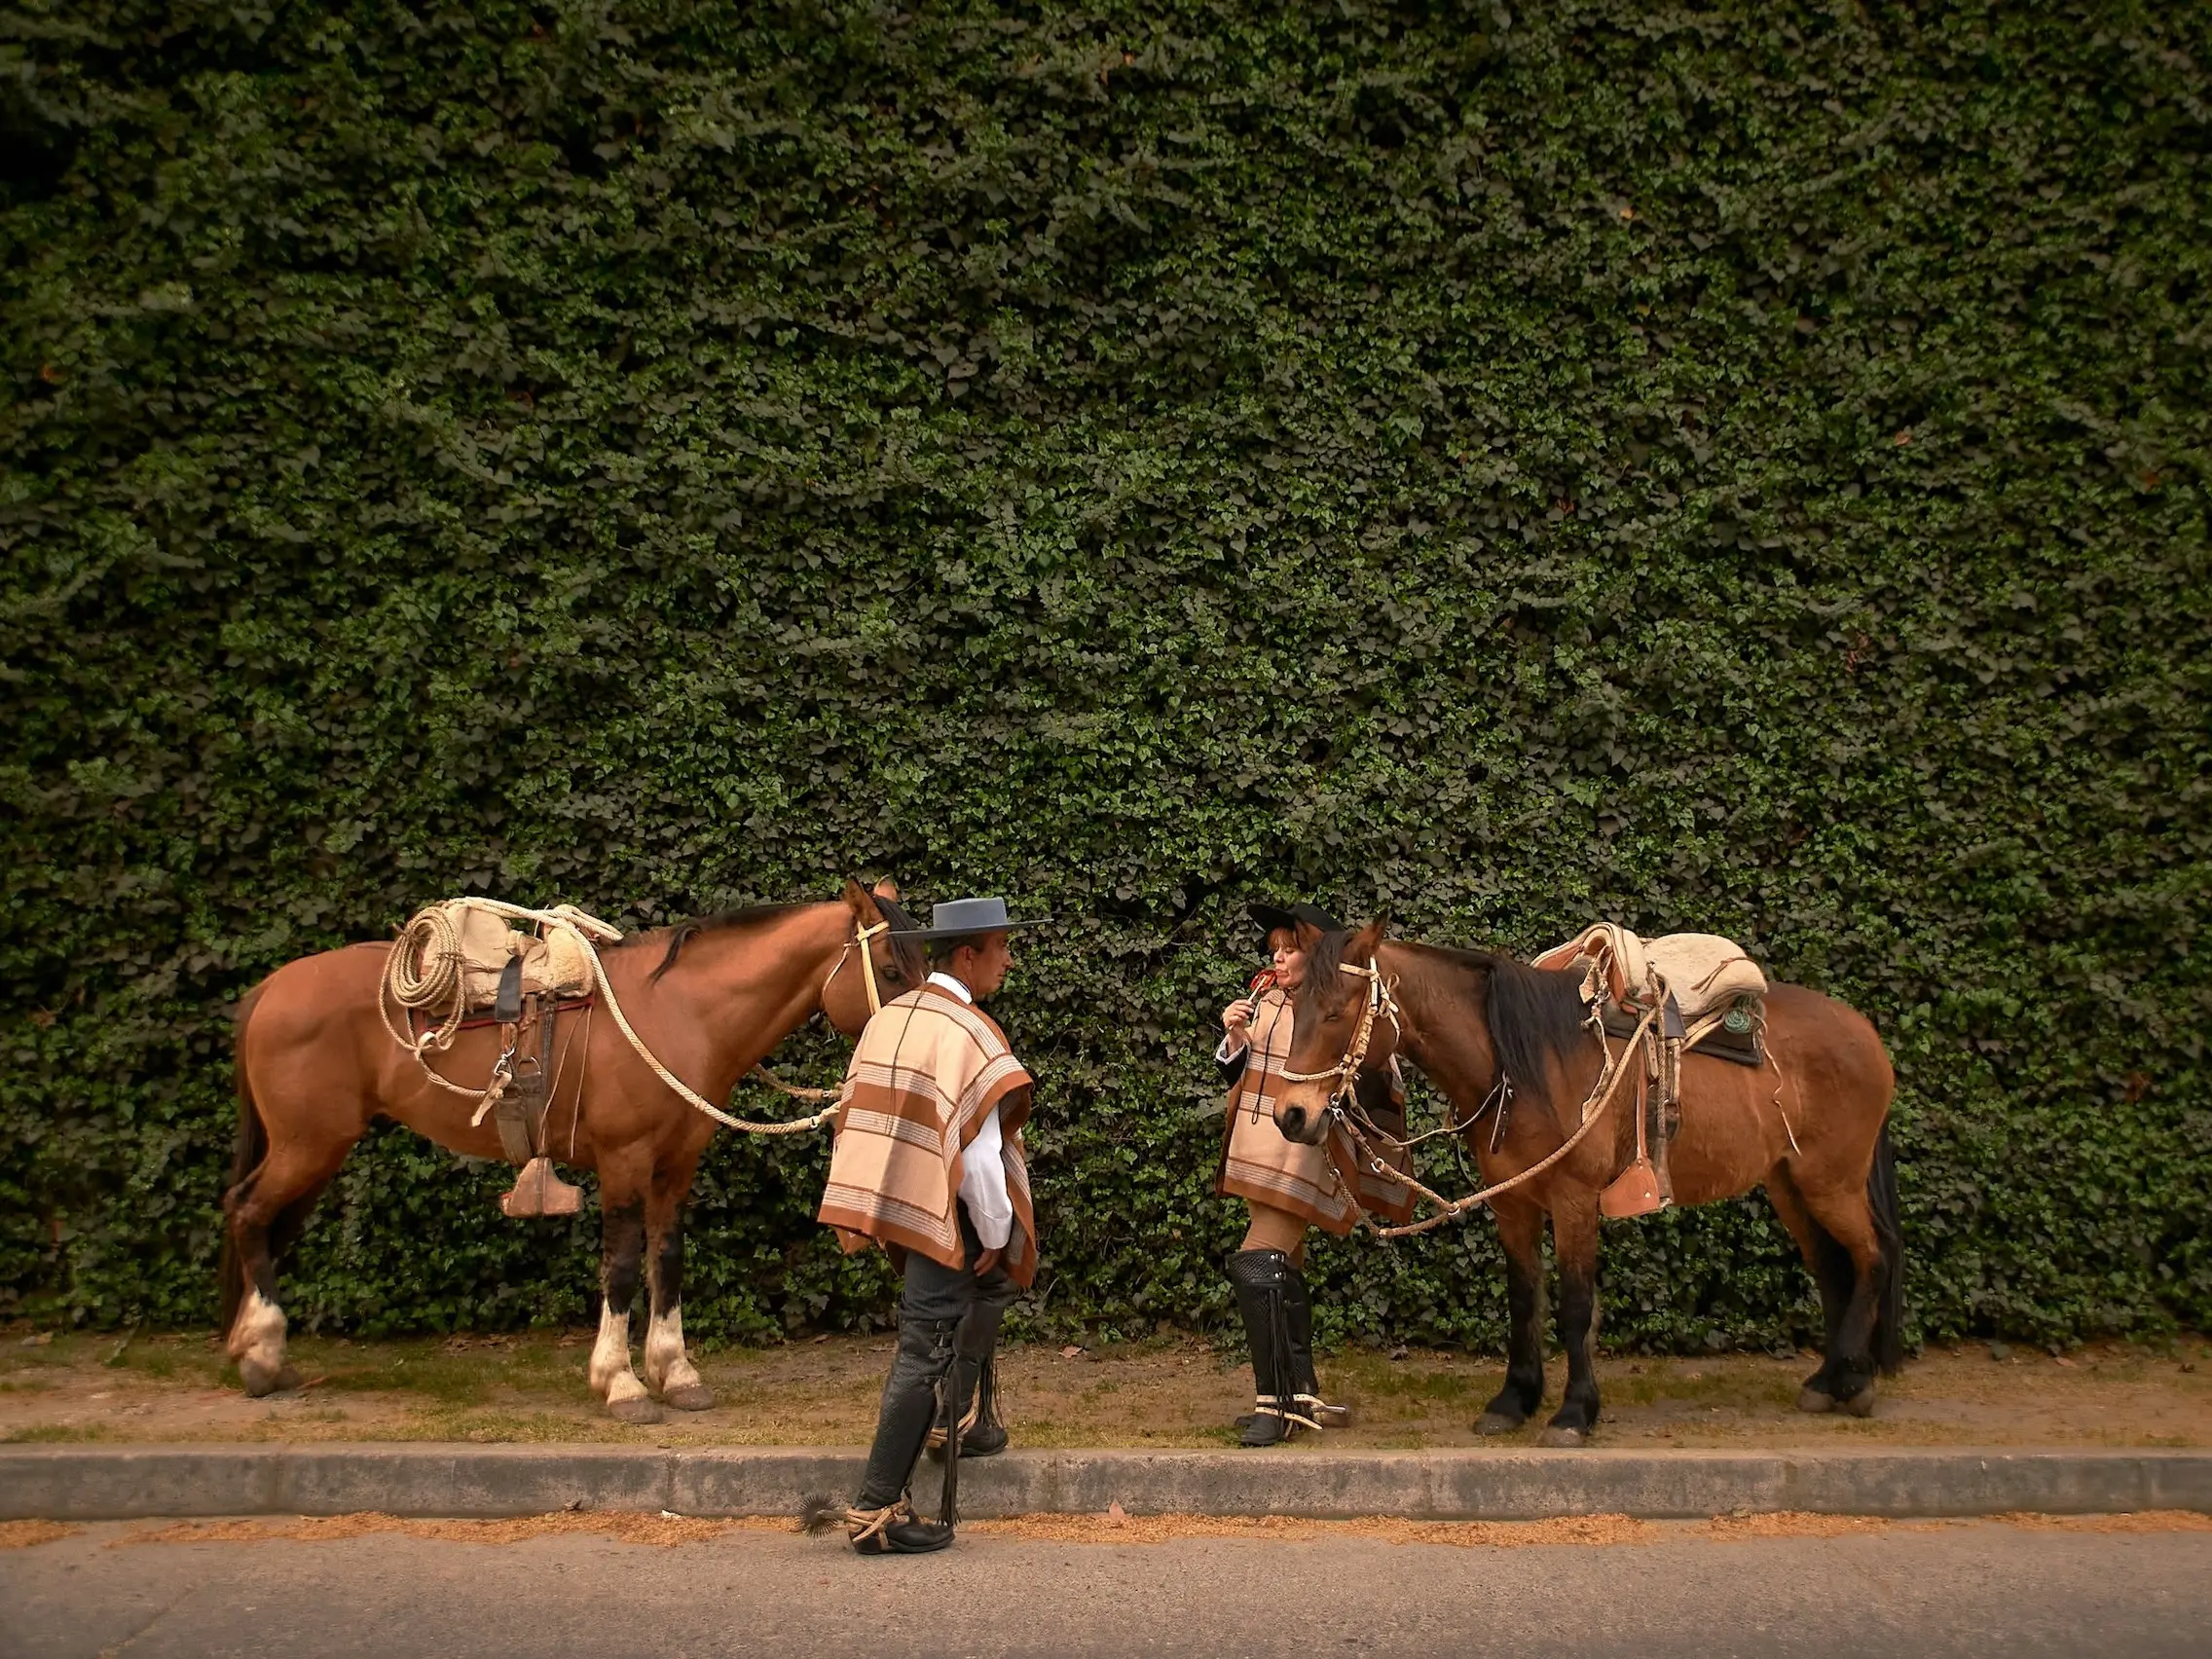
(634, 1411)
(1814, 1400)
(262, 1381)
(692, 1397)
(1860, 1405)
(1562, 1438)
(1498, 1422)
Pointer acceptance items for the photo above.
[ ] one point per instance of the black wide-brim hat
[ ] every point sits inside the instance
(1273, 916)
(961, 918)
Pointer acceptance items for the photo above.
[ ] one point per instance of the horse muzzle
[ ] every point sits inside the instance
(1302, 1124)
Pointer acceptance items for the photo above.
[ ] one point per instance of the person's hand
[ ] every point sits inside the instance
(988, 1260)
(1237, 1021)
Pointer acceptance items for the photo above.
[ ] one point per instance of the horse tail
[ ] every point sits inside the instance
(250, 1147)
(1882, 1200)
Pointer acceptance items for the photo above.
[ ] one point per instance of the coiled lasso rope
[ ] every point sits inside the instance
(425, 966)
(424, 971)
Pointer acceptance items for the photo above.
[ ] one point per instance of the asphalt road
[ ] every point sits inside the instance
(1983, 1589)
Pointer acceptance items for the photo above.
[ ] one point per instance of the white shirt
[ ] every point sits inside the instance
(982, 1170)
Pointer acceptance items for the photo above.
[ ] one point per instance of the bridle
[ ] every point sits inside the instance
(860, 936)
(1382, 1003)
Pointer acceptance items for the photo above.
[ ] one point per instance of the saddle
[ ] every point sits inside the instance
(493, 950)
(494, 974)
(1707, 994)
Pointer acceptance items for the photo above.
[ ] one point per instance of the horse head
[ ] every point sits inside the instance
(1342, 1028)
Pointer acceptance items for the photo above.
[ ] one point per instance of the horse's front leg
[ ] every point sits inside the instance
(622, 1183)
(1520, 1230)
(1574, 1241)
(669, 1371)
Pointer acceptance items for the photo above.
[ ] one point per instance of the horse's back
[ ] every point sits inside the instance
(1812, 1023)
(310, 998)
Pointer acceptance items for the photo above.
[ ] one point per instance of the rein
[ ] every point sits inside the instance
(861, 935)
(1383, 1003)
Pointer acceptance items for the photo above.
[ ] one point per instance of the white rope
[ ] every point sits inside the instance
(683, 1091)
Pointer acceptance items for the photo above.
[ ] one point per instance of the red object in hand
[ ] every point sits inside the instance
(1262, 983)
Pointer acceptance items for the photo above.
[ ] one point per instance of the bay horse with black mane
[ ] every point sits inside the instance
(1813, 1129)
(316, 1066)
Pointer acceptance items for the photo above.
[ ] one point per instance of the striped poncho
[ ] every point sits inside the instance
(926, 1074)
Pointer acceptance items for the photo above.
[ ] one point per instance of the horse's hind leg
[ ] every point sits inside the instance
(263, 1215)
(1848, 1223)
(1832, 1272)
(669, 1371)
(621, 1265)
(1520, 1230)
(1574, 1241)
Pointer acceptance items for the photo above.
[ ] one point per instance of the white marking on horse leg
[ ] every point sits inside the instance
(257, 1343)
(666, 1366)
(610, 1354)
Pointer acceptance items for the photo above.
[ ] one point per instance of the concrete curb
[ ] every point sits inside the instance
(109, 1483)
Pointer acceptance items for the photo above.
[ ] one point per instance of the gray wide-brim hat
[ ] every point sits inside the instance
(958, 918)
(1289, 916)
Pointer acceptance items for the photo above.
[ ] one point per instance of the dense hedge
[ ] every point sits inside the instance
(1739, 471)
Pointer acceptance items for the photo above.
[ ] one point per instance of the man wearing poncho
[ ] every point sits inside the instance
(929, 1165)
(1289, 1185)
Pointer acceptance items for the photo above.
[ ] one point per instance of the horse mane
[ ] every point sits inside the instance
(750, 915)
(1534, 1014)
(907, 949)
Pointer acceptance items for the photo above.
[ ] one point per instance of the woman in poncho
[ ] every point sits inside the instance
(1286, 1187)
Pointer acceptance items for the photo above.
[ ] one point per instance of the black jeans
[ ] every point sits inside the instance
(949, 1323)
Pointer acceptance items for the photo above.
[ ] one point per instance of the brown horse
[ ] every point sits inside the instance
(1813, 1129)
(710, 998)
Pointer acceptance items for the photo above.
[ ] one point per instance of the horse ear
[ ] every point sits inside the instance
(1367, 940)
(861, 902)
(886, 889)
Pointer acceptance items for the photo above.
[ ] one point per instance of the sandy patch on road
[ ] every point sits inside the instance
(1576, 1531)
(625, 1527)
(23, 1534)
(1283, 1528)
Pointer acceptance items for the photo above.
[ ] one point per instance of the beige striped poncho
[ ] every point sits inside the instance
(1261, 1166)
(925, 1075)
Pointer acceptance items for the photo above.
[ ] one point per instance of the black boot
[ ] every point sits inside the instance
(974, 1384)
(1298, 1361)
(1259, 1278)
(984, 1436)
(914, 1398)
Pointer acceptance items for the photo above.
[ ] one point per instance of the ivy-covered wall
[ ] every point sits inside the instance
(1740, 470)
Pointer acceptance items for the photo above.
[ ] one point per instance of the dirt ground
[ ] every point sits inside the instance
(1164, 1392)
